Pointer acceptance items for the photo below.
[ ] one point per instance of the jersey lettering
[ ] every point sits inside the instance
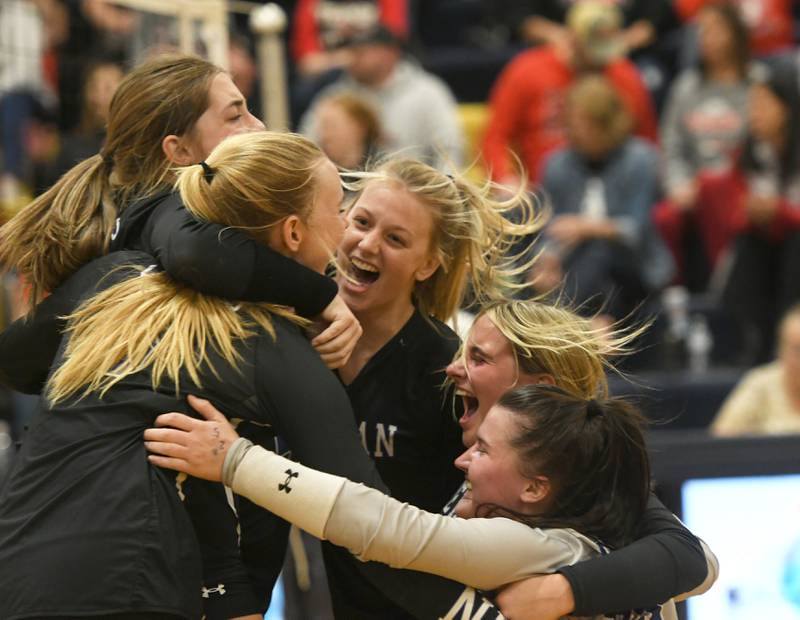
(462, 609)
(384, 444)
(380, 439)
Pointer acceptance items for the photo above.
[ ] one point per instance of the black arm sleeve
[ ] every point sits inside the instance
(665, 561)
(228, 263)
(310, 409)
(312, 412)
(227, 591)
(29, 345)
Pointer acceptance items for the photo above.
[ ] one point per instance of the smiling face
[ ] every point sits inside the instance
(487, 370)
(226, 115)
(386, 249)
(492, 469)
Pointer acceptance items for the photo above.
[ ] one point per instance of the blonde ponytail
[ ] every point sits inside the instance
(152, 322)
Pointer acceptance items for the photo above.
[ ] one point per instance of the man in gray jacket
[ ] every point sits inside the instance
(417, 111)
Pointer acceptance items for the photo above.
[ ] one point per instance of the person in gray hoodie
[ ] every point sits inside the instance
(703, 128)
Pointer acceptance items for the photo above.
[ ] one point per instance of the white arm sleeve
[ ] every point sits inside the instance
(482, 553)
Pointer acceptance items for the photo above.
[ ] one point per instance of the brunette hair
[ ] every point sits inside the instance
(594, 454)
(782, 81)
(738, 29)
(71, 223)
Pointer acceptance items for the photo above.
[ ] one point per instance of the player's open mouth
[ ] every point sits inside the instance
(470, 407)
(362, 273)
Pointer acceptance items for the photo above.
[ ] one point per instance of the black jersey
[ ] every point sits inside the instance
(407, 422)
(227, 263)
(88, 527)
(665, 560)
(406, 417)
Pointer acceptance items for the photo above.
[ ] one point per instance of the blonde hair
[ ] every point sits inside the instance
(71, 223)
(151, 321)
(475, 234)
(595, 98)
(554, 340)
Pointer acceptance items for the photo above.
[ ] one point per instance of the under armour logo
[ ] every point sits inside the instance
(220, 589)
(284, 486)
(149, 269)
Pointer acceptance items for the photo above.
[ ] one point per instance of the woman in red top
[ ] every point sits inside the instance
(321, 26)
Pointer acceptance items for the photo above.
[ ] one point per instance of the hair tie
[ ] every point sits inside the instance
(108, 160)
(593, 409)
(208, 172)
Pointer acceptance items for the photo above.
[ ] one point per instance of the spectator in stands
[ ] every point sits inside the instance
(770, 23)
(704, 125)
(102, 79)
(527, 101)
(244, 71)
(542, 21)
(348, 130)
(318, 33)
(28, 30)
(320, 27)
(97, 29)
(416, 109)
(767, 400)
(765, 190)
(602, 187)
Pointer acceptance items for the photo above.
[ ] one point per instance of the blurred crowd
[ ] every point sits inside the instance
(663, 136)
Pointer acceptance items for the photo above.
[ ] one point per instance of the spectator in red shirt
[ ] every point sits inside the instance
(321, 26)
(527, 101)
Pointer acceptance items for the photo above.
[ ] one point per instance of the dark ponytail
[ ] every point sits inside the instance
(593, 452)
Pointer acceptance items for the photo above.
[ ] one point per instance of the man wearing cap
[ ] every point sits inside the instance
(527, 101)
(417, 111)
